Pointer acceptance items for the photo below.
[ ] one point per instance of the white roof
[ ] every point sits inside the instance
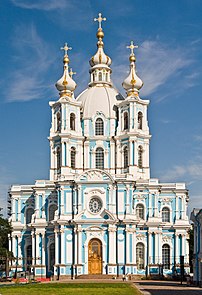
(99, 98)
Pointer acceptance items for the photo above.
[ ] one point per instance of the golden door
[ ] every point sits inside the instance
(95, 257)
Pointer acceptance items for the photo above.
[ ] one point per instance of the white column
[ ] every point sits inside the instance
(183, 208)
(75, 247)
(79, 198)
(183, 244)
(186, 250)
(160, 248)
(62, 235)
(177, 207)
(127, 199)
(134, 247)
(19, 209)
(112, 245)
(149, 209)
(127, 245)
(156, 258)
(43, 260)
(61, 201)
(79, 245)
(13, 210)
(14, 244)
(150, 247)
(177, 256)
(33, 249)
(112, 155)
(19, 249)
(156, 196)
(56, 246)
(38, 258)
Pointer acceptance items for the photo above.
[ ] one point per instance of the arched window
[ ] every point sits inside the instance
(107, 77)
(140, 152)
(58, 158)
(165, 214)
(140, 255)
(99, 127)
(72, 121)
(140, 211)
(73, 157)
(100, 76)
(29, 213)
(29, 256)
(125, 118)
(99, 158)
(125, 157)
(58, 127)
(51, 211)
(140, 120)
(166, 256)
(51, 257)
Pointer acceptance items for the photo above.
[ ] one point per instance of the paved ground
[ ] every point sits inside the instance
(166, 288)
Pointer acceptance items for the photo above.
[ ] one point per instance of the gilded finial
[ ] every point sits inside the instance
(99, 20)
(71, 73)
(66, 48)
(132, 47)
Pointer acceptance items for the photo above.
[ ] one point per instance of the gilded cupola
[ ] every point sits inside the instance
(132, 83)
(66, 85)
(100, 63)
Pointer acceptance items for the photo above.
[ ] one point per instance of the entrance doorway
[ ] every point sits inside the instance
(95, 257)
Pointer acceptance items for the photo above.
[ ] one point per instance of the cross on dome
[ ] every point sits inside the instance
(66, 48)
(132, 47)
(99, 20)
(71, 73)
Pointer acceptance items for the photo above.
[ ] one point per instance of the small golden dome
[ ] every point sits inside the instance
(132, 58)
(100, 34)
(66, 59)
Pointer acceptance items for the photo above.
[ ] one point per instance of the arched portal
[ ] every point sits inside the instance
(95, 257)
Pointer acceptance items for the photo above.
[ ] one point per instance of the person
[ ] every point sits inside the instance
(123, 278)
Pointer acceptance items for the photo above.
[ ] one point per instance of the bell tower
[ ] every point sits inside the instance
(133, 130)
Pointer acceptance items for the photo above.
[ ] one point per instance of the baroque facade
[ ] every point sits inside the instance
(100, 212)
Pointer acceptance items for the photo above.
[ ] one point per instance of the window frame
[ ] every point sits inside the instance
(125, 120)
(72, 123)
(99, 158)
(140, 157)
(99, 127)
(165, 213)
(140, 254)
(166, 256)
(140, 211)
(73, 157)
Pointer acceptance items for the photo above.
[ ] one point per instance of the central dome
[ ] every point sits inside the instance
(100, 98)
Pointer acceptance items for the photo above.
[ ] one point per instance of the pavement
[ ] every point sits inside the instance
(149, 287)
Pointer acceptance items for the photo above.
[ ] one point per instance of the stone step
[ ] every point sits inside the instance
(95, 277)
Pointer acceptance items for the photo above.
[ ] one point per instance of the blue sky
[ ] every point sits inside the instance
(169, 61)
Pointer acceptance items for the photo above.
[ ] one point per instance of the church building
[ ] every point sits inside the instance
(100, 212)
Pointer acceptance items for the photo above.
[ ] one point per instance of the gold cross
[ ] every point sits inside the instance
(66, 48)
(71, 73)
(132, 47)
(100, 19)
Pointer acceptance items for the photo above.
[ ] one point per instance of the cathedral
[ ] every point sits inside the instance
(100, 212)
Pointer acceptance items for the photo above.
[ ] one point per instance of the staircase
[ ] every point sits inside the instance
(94, 277)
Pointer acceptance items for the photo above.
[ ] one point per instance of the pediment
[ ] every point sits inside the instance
(95, 175)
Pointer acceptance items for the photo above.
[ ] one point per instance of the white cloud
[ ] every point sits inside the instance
(42, 4)
(157, 65)
(160, 63)
(32, 60)
(191, 172)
